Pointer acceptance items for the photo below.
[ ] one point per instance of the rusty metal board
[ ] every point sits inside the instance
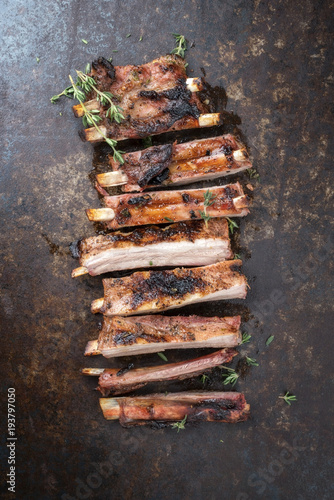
(272, 65)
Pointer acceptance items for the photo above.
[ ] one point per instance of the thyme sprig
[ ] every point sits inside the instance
(114, 112)
(180, 425)
(231, 377)
(181, 45)
(209, 199)
(245, 338)
(232, 225)
(68, 92)
(78, 90)
(251, 361)
(92, 117)
(288, 398)
(253, 174)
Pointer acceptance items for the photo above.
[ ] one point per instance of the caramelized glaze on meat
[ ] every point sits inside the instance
(160, 207)
(147, 291)
(153, 96)
(114, 381)
(199, 406)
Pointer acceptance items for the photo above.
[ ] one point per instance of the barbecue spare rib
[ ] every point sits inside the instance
(177, 164)
(199, 406)
(189, 243)
(115, 381)
(155, 97)
(121, 336)
(153, 291)
(160, 207)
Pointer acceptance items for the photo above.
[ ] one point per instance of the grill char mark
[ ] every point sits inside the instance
(153, 96)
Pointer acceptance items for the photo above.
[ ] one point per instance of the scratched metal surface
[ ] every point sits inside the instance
(273, 59)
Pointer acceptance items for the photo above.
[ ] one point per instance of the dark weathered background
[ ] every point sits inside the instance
(274, 61)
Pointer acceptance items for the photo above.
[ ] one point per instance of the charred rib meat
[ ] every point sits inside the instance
(189, 243)
(125, 336)
(200, 406)
(153, 291)
(114, 381)
(177, 164)
(153, 97)
(160, 207)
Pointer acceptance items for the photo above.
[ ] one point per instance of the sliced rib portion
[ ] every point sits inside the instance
(159, 207)
(121, 336)
(192, 84)
(153, 291)
(177, 164)
(154, 97)
(138, 129)
(114, 381)
(189, 243)
(199, 406)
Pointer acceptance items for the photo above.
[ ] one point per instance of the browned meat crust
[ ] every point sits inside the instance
(159, 207)
(125, 336)
(114, 381)
(154, 96)
(181, 163)
(147, 291)
(153, 161)
(188, 243)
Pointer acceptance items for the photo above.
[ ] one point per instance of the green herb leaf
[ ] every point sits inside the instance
(147, 142)
(128, 35)
(84, 41)
(206, 217)
(245, 338)
(270, 339)
(87, 68)
(84, 85)
(162, 356)
(237, 256)
(231, 225)
(181, 45)
(168, 219)
(288, 398)
(231, 377)
(118, 156)
(251, 361)
(209, 198)
(68, 92)
(204, 378)
(180, 425)
(151, 263)
(111, 142)
(37, 59)
(253, 174)
(141, 39)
